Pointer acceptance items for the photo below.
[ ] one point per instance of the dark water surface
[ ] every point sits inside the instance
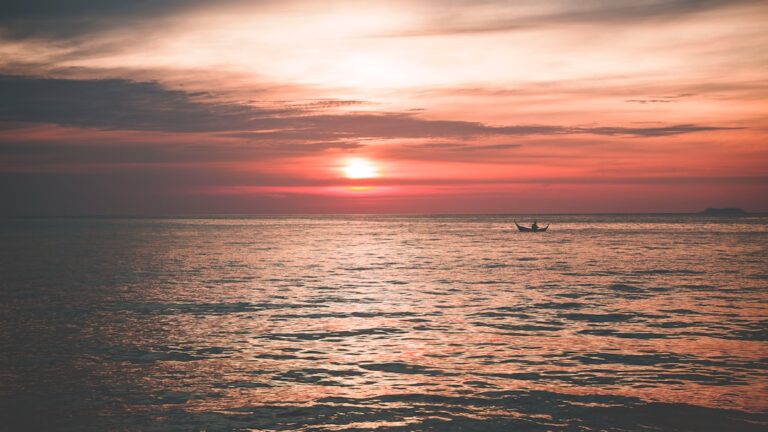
(395, 323)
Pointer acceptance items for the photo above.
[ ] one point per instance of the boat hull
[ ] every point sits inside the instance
(526, 229)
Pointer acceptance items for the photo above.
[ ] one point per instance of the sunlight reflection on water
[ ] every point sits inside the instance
(401, 323)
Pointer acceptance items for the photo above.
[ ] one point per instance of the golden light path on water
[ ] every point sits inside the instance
(401, 323)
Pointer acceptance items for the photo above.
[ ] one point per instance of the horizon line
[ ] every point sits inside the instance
(420, 214)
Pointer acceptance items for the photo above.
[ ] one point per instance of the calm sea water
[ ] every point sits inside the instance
(394, 323)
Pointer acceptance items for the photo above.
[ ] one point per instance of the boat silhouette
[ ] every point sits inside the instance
(526, 229)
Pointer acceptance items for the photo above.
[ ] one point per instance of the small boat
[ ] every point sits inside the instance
(526, 229)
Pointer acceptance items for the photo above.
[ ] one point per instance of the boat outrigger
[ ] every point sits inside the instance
(533, 228)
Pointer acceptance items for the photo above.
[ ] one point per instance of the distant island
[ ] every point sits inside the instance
(728, 211)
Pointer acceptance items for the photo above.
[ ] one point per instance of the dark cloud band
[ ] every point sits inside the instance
(123, 104)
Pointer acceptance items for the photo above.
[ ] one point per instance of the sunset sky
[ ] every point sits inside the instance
(122, 107)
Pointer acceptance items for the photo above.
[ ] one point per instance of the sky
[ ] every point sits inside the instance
(174, 107)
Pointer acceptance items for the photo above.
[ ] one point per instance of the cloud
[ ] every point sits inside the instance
(148, 106)
(18, 155)
(660, 99)
(116, 104)
(651, 131)
(21, 19)
(646, 101)
(54, 19)
(406, 125)
(323, 104)
(463, 147)
(461, 20)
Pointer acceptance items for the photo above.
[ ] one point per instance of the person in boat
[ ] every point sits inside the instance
(535, 226)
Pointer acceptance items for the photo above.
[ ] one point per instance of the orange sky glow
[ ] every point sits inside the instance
(383, 106)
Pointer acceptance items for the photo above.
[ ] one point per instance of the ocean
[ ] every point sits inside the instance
(387, 323)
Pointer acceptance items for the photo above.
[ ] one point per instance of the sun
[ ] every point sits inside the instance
(359, 168)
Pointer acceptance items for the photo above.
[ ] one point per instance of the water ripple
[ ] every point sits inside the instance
(329, 323)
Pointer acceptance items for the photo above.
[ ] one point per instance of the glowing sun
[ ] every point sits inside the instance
(359, 168)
